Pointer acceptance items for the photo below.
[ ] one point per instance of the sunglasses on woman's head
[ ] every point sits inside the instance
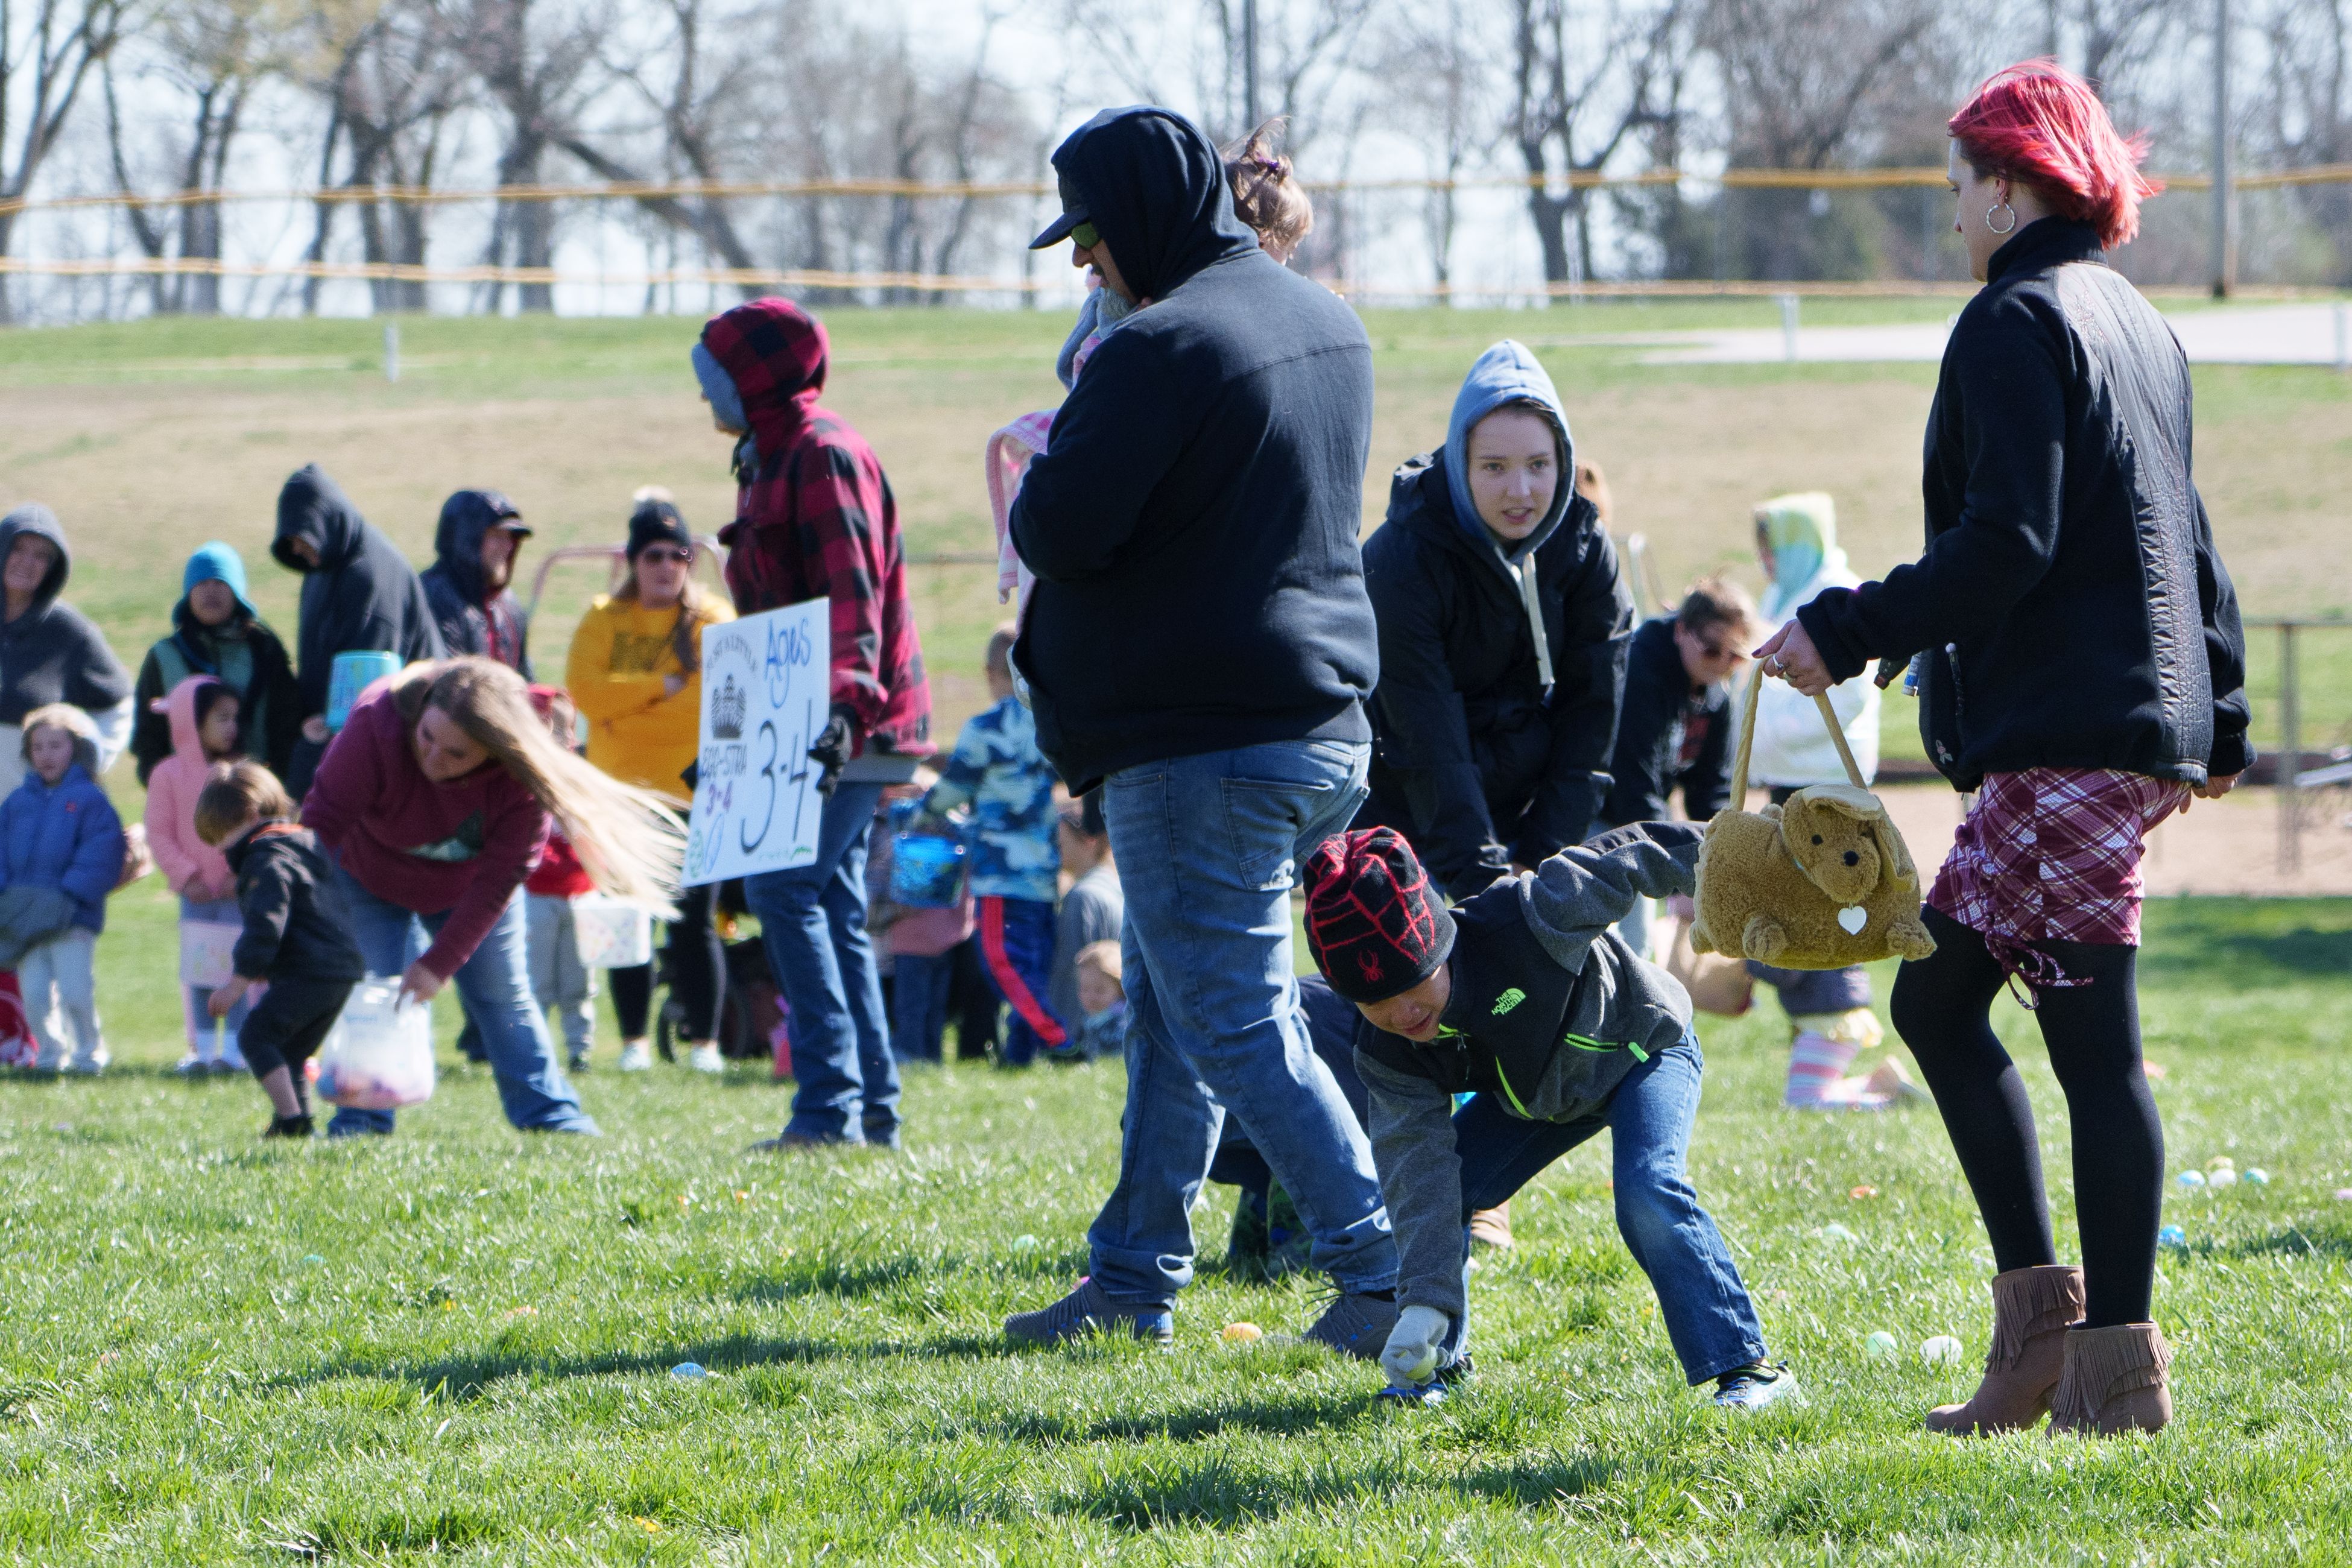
(661, 555)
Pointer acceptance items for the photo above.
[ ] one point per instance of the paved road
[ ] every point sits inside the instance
(2239, 334)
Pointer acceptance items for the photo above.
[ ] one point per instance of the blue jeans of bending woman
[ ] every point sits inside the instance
(495, 985)
(812, 924)
(1708, 1316)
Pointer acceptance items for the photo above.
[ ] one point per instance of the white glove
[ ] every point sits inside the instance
(1410, 1358)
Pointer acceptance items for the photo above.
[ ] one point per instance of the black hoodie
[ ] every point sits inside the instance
(51, 653)
(1192, 526)
(361, 595)
(472, 621)
(297, 926)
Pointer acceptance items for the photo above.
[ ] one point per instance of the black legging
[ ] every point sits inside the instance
(1941, 1005)
(696, 965)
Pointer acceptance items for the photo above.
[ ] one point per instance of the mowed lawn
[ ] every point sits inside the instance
(456, 1344)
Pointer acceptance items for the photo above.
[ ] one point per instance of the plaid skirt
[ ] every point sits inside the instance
(2052, 854)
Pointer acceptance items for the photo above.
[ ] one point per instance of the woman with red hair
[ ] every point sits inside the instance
(2079, 666)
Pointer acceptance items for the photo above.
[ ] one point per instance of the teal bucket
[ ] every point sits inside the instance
(351, 673)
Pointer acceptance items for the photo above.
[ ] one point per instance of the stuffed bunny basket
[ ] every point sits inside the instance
(1821, 883)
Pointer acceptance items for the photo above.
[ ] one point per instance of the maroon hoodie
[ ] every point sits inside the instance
(815, 518)
(461, 848)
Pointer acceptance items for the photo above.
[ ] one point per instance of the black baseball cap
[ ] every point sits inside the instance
(1073, 213)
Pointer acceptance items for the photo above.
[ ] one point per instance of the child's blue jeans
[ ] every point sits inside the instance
(918, 1003)
(1017, 942)
(1708, 1316)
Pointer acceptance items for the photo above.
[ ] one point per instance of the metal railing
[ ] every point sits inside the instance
(2292, 778)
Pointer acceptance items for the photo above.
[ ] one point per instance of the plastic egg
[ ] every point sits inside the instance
(2344, 1194)
(1024, 1242)
(2257, 1176)
(2172, 1235)
(2221, 1162)
(1879, 1346)
(2223, 1178)
(1834, 1232)
(2191, 1178)
(690, 1372)
(1242, 1333)
(1943, 1350)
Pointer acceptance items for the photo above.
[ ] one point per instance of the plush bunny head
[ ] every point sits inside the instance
(1836, 834)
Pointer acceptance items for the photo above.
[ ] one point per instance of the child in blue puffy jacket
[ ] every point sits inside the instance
(59, 833)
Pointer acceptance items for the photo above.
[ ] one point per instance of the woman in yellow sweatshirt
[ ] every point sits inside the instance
(636, 672)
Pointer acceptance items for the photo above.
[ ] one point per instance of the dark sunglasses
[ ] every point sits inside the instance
(1085, 236)
(662, 554)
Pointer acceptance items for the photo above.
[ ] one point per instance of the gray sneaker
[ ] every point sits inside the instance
(1087, 1310)
(1355, 1325)
(1754, 1387)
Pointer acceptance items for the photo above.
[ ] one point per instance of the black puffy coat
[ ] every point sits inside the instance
(1472, 761)
(2071, 605)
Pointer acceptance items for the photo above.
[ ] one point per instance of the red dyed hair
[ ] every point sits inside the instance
(2039, 122)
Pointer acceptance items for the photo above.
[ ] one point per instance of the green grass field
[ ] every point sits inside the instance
(454, 1345)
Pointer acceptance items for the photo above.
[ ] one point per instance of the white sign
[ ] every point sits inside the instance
(766, 694)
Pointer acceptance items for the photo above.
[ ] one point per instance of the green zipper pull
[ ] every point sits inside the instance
(1638, 1054)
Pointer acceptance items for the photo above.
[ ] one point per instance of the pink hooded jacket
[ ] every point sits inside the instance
(192, 868)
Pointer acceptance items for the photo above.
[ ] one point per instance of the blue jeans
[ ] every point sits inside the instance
(813, 923)
(495, 986)
(1016, 942)
(1708, 1316)
(918, 998)
(1208, 847)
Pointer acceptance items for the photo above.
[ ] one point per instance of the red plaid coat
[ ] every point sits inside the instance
(815, 518)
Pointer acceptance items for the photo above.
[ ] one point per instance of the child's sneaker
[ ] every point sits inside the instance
(1355, 1324)
(191, 1065)
(577, 1061)
(221, 1066)
(705, 1058)
(288, 1127)
(1085, 1312)
(638, 1057)
(1754, 1387)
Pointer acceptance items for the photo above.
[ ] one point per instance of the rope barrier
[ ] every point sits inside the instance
(678, 190)
(928, 283)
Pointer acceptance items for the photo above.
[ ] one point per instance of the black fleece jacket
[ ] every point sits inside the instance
(1669, 736)
(1475, 765)
(361, 595)
(2071, 605)
(471, 619)
(52, 653)
(1193, 525)
(296, 924)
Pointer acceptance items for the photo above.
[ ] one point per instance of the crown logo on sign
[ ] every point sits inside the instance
(727, 710)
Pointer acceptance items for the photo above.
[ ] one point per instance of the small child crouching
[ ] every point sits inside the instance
(297, 935)
(1525, 995)
(60, 855)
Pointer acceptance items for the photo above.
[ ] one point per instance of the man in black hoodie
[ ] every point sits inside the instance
(480, 536)
(1198, 645)
(49, 651)
(359, 594)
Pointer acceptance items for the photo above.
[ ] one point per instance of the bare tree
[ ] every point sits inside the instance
(2304, 114)
(1436, 63)
(391, 79)
(533, 60)
(214, 53)
(1580, 87)
(48, 50)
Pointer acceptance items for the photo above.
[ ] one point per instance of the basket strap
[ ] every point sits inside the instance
(1746, 742)
(1837, 734)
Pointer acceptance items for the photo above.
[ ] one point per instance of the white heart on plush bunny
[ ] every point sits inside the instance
(1853, 920)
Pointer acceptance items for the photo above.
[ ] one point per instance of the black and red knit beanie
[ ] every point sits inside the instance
(1375, 925)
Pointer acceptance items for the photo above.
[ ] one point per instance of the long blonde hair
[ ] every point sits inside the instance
(629, 839)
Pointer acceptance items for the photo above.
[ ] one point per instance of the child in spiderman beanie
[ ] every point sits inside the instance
(1526, 997)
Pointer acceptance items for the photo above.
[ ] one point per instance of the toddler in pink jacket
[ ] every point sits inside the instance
(205, 730)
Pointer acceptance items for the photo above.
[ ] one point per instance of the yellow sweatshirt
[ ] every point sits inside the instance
(621, 656)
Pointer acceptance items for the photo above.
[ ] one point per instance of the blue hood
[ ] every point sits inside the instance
(219, 563)
(1508, 372)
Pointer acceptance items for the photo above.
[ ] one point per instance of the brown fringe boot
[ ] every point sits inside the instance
(2031, 1309)
(2114, 1383)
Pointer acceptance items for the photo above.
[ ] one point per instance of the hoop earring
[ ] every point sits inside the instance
(2001, 207)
